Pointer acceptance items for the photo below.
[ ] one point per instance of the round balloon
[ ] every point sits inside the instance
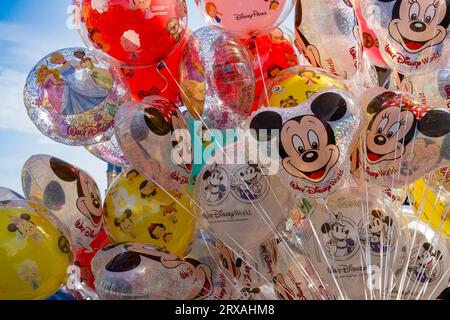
(237, 201)
(296, 85)
(270, 54)
(431, 207)
(246, 18)
(413, 35)
(155, 138)
(217, 78)
(138, 210)
(404, 140)
(137, 271)
(133, 33)
(68, 192)
(72, 96)
(8, 194)
(34, 253)
(315, 141)
(110, 152)
(328, 35)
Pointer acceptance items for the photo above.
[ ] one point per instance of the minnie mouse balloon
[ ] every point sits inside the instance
(68, 192)
(413, 35)
(138, 271)
(217, 78)
(328, 35)
(133, 33)
(72, 96)
(315, 141)
(155, 139)
(404, 139)
(246, 18)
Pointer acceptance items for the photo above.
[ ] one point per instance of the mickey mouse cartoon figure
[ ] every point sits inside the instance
(228, 261)
(248, 183)
(88, 201)
(125, 224)
(379, 227)
(307, 145)
(215, 183)
(338, 241)
(419, 24)
(24, 227)
(424, 266)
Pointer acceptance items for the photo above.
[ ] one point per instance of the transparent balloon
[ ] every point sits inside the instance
(110, 152)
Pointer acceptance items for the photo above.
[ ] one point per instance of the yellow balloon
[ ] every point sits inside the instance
(431, 208)
(138, 211)
(296, 85)
(34, 254)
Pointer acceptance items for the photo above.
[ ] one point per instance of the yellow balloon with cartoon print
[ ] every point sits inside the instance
(34, 254)
(137, 210)
(296, 85)
(431, 208)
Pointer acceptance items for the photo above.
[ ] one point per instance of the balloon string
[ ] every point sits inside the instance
(263, 78)
(159, 67)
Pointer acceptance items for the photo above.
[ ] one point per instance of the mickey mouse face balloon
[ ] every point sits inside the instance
(155, 138)
(70, 193)
(328, 35)
(315, 140)
(413, 34)
(404, 140)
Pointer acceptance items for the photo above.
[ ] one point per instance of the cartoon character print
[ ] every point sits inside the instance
(211, 10)
(147, 189)
(132, 175)
(289, 102)
(24, 227)
(215, 184)
(307, 143)
(132, 258)
(338, 237)
(88, 201)
(273, 4)
(125, 224)
(97, 39)
(308, 50)
(248, 183)
(424, 266)
(282, 290)
(247, 294)
(101, 6)
(170, 211)
(131, 42)
(228, 261)
(419, 24)
(167, 120)
(173, 28)
(395, 121)
(381, 236)
(157, 231)
(28, 272)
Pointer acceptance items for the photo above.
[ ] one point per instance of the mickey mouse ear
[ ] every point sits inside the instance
(329, 106)
(376, 103)
(268, 120)
(435, 123)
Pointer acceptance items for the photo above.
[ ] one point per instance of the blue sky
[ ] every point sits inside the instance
(29, 30)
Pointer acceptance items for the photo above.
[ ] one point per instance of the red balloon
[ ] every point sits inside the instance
(149, 81)
(135, 33)
(83, 258)
(276, 54)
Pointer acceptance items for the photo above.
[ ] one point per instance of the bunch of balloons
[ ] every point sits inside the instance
(256, 163)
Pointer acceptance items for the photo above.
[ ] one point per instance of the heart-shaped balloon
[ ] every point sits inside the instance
(404, 140)
(155, 139)
(315, 140)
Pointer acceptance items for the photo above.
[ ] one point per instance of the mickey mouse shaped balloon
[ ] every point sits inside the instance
(413, 35)
(155, 138)
(315, 139)
(404, 140)
(328, 35)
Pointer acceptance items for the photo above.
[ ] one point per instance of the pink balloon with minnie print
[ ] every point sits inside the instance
(68, 192)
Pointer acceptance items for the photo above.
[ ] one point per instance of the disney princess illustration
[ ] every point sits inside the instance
(29, 272)
(211, 10)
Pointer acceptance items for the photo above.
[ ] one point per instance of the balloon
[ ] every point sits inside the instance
(430, 207)
(412, 36)
(68, 192)
(34, 253)
(72, 96)
(370, 41)
(328, 35)
(109, 152)
(216, 78)
(439, 182)
(316, 138)
(238, 202)
(8, 194)
(138, 271)
(404, 139)
(357, 243)
(138, 210)
(428, 265)
(296, 85)
(133, 33)
(246, 18)
(155, 138)
(156, 80)
(270, 54)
